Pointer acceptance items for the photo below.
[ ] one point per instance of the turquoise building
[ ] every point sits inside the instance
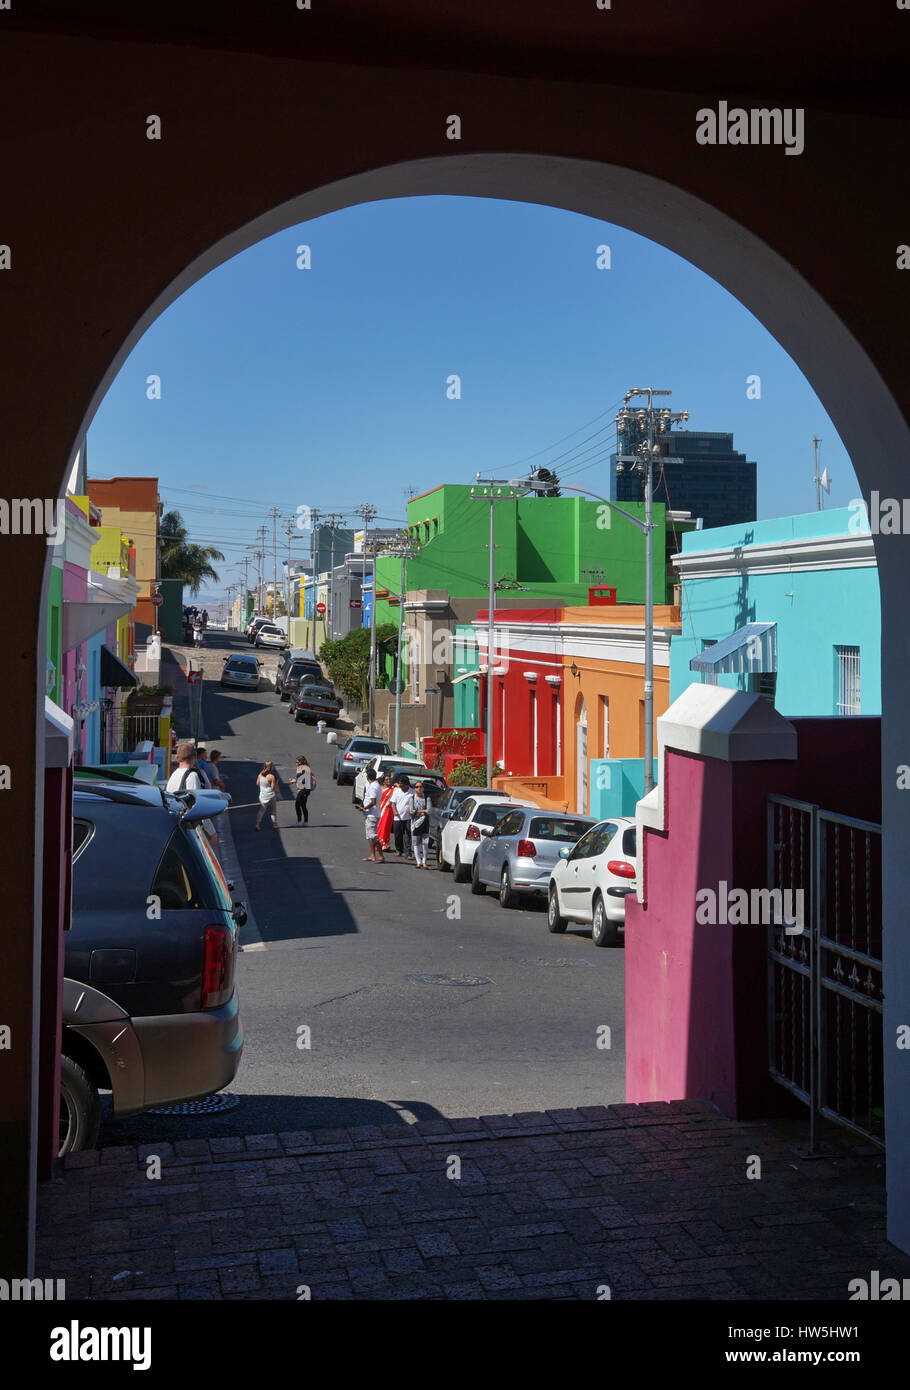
(788, 608)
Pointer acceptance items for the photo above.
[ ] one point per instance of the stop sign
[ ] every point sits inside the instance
(157, 600)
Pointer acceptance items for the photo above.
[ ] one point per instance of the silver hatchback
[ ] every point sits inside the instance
(521, 851)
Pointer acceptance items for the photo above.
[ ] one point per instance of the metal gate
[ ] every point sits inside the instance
(825, 982)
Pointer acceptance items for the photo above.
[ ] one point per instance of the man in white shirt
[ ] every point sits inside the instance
(185, 778)
(403, 801)
(370, 808)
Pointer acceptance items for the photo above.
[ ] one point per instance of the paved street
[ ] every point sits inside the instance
(336, 946)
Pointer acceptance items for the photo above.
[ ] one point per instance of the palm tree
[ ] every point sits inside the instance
(180, 559)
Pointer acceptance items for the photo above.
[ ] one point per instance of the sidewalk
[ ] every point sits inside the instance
(651, 1200)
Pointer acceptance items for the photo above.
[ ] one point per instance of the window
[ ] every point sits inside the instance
(490, 815)
(83, 830)
(764, 683)
(567, 832)
(848, 692)
(510, 824)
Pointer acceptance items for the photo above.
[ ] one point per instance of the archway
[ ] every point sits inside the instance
(851, 389)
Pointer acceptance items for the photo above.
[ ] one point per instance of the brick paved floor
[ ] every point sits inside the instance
(650, 1200)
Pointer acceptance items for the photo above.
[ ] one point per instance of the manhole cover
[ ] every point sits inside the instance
(563, 961)
(462, 980)
(209, 1105)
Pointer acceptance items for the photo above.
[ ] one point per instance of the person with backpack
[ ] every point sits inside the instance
(186, 776)
(305, 782)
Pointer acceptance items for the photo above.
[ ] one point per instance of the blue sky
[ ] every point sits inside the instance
(327, 387)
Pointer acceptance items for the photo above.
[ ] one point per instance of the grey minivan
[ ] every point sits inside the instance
(521, 850)
(150, 1009)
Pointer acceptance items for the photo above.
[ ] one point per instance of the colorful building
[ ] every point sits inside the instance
(788, 608)
(568, 689)
(133, 506)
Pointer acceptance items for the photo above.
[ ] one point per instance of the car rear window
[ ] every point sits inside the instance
(317, 692)
(367, 745)
(236, 664)
(490, 815)
(567, 832)
(629, 841)
(182, 879)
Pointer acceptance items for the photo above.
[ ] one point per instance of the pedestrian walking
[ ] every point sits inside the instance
(420, 825)
(403, 802)
(386, 812)
(267, 783)
(197, 632)
(370, 808)
(305, 782)
(205, 619)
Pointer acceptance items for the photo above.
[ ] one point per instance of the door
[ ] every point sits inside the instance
(581, 756)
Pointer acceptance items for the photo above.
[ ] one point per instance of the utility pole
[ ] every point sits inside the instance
(822, 481)
(289, 531)
(367, 512)
(406, 548)
(493, 490)
(333, 520)
(638, 429)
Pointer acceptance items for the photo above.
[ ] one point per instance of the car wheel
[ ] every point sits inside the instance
(439, 859)
(603, 931)
(334, 773)
(80, 1109)
(506, 896)
(459, 871)
(296, 718)
(555, 921)
(476, 885)
(354, 795)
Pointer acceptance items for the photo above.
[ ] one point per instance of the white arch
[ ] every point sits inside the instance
(856, 398)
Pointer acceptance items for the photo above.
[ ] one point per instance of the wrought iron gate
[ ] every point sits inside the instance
(825, 983)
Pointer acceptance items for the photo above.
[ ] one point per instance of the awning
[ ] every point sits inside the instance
(114, 672)
(749, 650)
(82, 620)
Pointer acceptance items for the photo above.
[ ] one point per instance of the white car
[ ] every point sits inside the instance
(268, 635)
(590, 882)
(462, 834)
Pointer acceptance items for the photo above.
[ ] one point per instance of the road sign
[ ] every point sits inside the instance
(320, 609)
(157, 600)
(355, 603)
(193, 677)
(397, 687)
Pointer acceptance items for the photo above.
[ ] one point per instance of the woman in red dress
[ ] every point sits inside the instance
(386, 813)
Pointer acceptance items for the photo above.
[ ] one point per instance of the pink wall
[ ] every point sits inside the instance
(696, 1022)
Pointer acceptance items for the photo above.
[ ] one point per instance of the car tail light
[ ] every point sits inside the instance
(473, 833)
(217, 967)
(620, 868)
(526, 849)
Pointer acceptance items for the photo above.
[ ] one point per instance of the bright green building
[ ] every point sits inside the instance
(554, 548)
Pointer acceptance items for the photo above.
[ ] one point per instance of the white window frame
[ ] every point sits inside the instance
(849, 694)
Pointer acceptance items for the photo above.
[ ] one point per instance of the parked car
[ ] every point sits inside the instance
(590, 883)
(520, 853)
(311, 702)
(301, 660)
(449, 804)
(268, 635)
(433, 782)
(387, 762)
(150, 1007)
(241, 671)
(462, 833)
(290, 674)
(355, 754)
(254, 625)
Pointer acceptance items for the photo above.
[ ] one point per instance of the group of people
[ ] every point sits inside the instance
(196, 770)
(394, 808)
(196, 620)
(267, 783)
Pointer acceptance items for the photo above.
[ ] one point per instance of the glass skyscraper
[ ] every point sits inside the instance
(699, 472)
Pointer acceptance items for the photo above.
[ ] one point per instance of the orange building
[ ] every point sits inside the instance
(133, 504)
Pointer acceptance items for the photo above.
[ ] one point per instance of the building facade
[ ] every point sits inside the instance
(700, 472)
(795, 600)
